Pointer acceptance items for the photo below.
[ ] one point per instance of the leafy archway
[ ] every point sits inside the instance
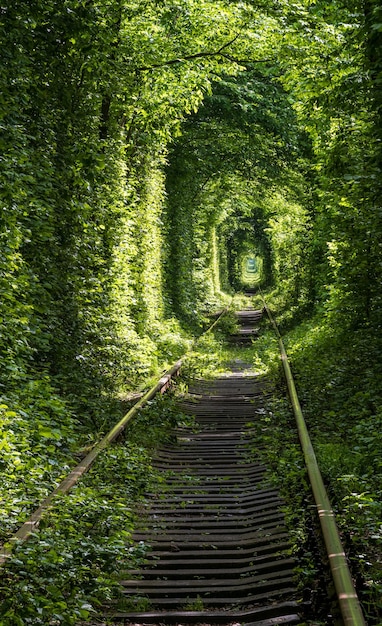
(234, 153)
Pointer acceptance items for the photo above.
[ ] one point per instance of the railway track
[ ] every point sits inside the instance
(219, 545)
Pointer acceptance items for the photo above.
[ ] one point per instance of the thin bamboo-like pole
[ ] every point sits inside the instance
(347, 597)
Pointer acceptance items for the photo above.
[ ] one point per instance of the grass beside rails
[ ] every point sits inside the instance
(277, 445)
(338, 377)
(72, 565)
(43, 432)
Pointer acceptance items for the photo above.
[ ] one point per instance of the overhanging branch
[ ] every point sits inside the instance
(201, 55)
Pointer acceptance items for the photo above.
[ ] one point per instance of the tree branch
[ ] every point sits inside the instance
(246, 61)
(200, 55)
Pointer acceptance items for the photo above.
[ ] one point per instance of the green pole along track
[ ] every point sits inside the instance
(347, 596)
(31, 525)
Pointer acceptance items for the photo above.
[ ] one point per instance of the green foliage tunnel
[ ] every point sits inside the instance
(148, 151)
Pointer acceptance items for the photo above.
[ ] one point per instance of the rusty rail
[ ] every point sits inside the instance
(347, 596)
(67, 483)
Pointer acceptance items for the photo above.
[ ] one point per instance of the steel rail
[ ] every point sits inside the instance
(347, 596)
(31, 525)
(67, 483)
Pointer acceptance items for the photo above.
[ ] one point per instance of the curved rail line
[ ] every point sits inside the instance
(31, 524)
(219, 543)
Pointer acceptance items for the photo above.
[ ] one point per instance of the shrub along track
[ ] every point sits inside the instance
(219, 546)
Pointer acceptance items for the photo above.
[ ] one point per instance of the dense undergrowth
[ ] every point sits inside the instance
(72, 565)
(44, 432)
